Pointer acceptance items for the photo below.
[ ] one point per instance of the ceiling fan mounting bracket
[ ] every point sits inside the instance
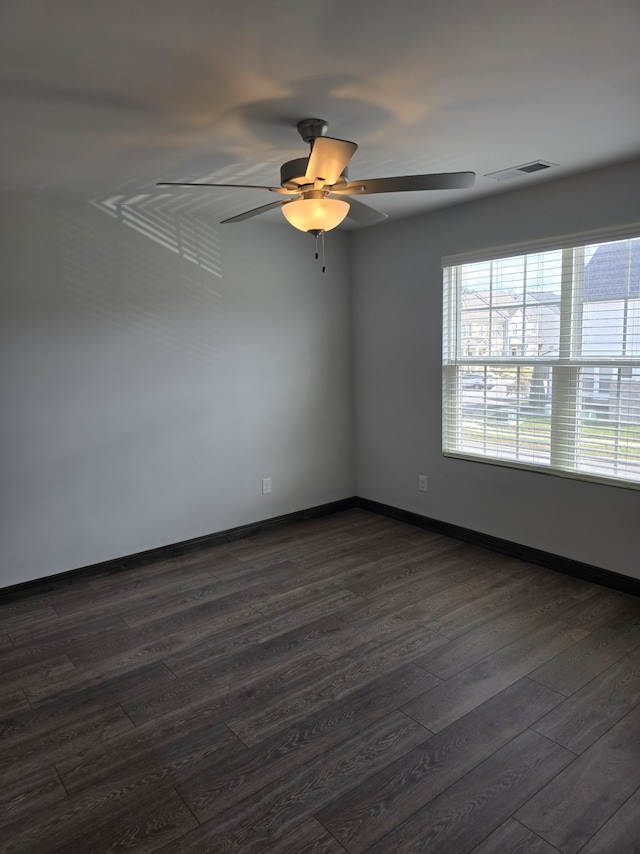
(310, 129)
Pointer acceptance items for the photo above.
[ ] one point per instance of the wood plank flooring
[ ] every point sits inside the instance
(343, 684)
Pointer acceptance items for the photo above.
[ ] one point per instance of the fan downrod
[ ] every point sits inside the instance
(310, 129)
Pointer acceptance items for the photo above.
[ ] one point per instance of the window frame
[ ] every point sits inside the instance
(566, 414)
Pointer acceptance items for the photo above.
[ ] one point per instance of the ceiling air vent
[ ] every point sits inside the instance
(520, 171)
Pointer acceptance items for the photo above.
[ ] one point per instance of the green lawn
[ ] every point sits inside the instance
(596, 440)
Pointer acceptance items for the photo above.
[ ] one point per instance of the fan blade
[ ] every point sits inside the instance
(237, 186)
(406, 183)
(328, 159)
(363, 214)
(254, 212)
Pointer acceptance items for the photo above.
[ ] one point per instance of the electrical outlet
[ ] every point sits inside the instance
(266, 485)
(422, 483)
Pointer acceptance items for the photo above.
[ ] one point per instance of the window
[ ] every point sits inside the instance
(541, 362)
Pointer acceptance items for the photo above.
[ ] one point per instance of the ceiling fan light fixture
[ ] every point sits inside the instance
(315, 214)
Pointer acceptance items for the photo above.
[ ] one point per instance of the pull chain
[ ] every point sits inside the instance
(320, 234)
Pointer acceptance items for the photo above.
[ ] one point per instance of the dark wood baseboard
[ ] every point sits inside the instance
(120, 564)
(566, 565)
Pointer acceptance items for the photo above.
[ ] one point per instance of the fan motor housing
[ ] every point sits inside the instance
(292, 175)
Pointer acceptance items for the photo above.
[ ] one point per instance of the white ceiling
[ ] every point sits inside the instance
(102, 98)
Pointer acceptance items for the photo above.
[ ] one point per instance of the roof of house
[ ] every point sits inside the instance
(613, 271)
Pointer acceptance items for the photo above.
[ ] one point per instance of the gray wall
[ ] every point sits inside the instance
(147, 388)
(398, 344)
(151, 378)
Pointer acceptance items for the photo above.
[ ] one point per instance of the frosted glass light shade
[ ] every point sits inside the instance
(315, 214)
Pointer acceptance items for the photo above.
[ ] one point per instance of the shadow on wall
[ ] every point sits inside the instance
(183, 234)
(151, 293)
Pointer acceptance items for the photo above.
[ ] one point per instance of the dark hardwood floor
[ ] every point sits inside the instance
(348, 683)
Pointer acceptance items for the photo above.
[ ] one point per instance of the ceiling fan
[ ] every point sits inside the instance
(317, 184)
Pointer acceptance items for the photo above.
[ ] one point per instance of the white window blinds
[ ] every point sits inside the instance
(541, 362)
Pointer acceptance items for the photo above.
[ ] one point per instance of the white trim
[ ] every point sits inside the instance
(524, 362)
